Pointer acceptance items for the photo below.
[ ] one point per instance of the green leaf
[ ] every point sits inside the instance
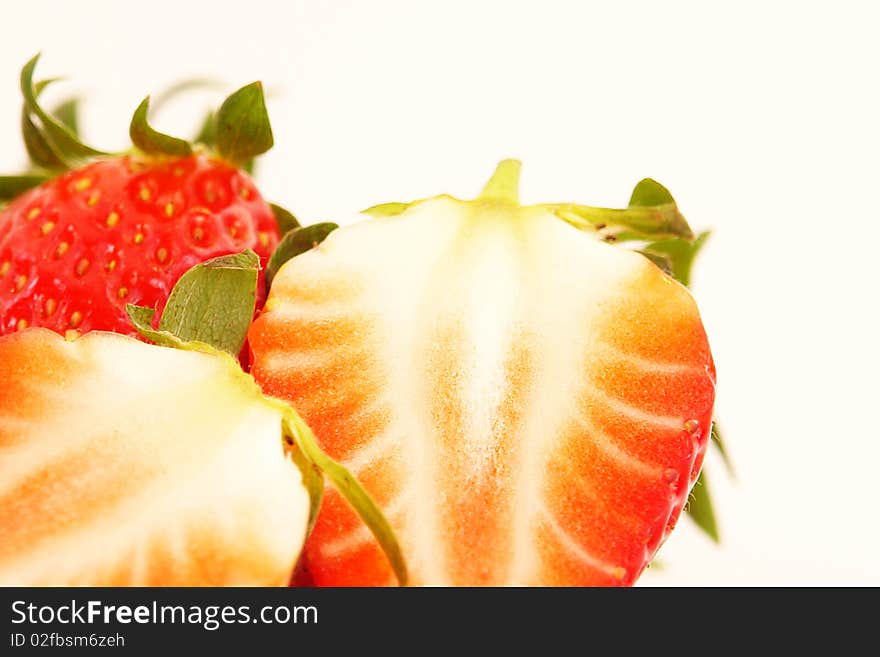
(12, 186)
(207, 136)
(649, 192)
(295, 242)
(387, 209)
(504, 183)
(651, 215)
(719, 443)
(284, 218)
(700, 509)
(243, 128)
(635, 223)
(63, 142)
(680, 254)
(659, 259)
(42, 84)
(142, 318)
(214, 302)
(68, 113)
(207, 133)
(351, 490)
(152, 141)
(40, 151)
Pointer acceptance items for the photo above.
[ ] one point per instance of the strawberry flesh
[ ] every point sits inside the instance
(128, 464)
(528, 405)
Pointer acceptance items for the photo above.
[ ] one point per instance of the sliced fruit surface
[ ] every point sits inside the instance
(527, 404)
(123, 463)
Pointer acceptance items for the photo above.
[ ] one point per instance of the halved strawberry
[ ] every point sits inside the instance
(528, 404)
(123, 463)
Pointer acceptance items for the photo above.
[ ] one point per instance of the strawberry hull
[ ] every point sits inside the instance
(528, 405)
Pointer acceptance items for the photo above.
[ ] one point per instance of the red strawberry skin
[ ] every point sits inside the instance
(76, 250)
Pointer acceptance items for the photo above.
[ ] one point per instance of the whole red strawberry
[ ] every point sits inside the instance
(123, 229)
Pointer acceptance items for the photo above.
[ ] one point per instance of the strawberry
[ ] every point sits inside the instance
(123, 229)
(130, 464)
(125, 463)
(80, 247)
(528, 403)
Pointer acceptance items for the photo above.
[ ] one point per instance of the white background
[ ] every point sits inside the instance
(762, 118)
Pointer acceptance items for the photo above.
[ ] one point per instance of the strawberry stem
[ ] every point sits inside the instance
(152, 141)
(313, 480)
(350, 488)
(504, 183)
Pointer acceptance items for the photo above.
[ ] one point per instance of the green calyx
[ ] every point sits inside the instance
(151, 141)
(284, 218)
(503, 186)
(12, 186)
(237, 132)
(701, 510)
(50, 138)
(242, 125)
(651, 214)
(59, 142)
(296, 241)
(210, 310)
(213, 303)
